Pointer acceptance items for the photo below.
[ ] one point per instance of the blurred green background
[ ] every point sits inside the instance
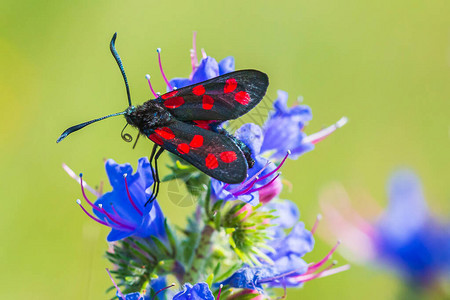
(384, 64)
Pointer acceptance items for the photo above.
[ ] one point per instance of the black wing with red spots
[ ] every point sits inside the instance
(213, 153)
(221, 98)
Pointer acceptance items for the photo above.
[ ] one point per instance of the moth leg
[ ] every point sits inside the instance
(154, 156)
(155, 193)
(137, 138)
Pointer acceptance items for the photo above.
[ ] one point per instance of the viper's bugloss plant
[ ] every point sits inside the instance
(241, 241)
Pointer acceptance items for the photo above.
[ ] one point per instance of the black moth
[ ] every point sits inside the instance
(186, 122)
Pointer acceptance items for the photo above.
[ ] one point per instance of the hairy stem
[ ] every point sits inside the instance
(200, 256)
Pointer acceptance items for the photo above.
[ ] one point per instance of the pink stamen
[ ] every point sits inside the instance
(74, 176)
(266, 185)
(249, 180)
(309, 276)
(91, 216)
(334, 271)
(150, 85)
(316, 223)
(167, 287)
(119, 293)
(318, 136)
(84, 195)
(129, 196)
(204, 54)
(278, 277)
(277, 168)
(220, 291)
(244, 191)
(118, 220)
(194, 59)
(161, 69)
(316, 266)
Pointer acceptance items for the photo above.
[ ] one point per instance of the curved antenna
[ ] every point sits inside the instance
(82, 125)
(112, 47)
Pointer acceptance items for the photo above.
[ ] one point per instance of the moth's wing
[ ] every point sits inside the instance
(213, 153)
(221, 98)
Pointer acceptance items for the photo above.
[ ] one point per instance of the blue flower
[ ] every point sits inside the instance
(283, 130)
(200, 291)
(131, 296)
(262, 179)
(208, 68)
(287, 267)
(409, 238)
(124, 209)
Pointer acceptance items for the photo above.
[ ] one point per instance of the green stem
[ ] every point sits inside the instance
(200, 256)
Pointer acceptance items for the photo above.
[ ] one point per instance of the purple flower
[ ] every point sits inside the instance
(207, 69)
(283, 129)
(262, 179)
(409, 238)
(200, 291)
(287, 268)
(125, 208)
(406, 238)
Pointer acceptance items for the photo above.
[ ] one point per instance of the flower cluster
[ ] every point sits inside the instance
(242, 240)
(406, 238)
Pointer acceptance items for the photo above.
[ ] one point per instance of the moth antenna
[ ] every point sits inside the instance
(82, 125)
(112, 47)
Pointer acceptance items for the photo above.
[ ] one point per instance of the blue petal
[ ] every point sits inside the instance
(152, 223)
(200, 291)
(131, 296)
(115, 172)
(280, 104)
(248, 278)
(298, 242)
(283, 130)
(207, 69)
(407, 211)
(116, 235)
(286, 211)
(252, 136)
(226, 65)
(180, 82)
(290, 263)
(157, 285)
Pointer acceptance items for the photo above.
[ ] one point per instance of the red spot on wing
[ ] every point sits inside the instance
(169, 94)
(197, 141)
(242, 97)
(211, 161)
(198, 90)
(230, 85)
(208, 102)
(165, 133)
(203, 123)
(183, 148)
(156, 139)
(174, 102)
(228, 156)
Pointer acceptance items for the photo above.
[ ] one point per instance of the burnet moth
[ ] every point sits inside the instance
(186, 122)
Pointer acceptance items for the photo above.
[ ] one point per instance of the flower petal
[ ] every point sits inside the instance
(226, 65)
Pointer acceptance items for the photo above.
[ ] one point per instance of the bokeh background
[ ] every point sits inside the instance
(384, 64)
